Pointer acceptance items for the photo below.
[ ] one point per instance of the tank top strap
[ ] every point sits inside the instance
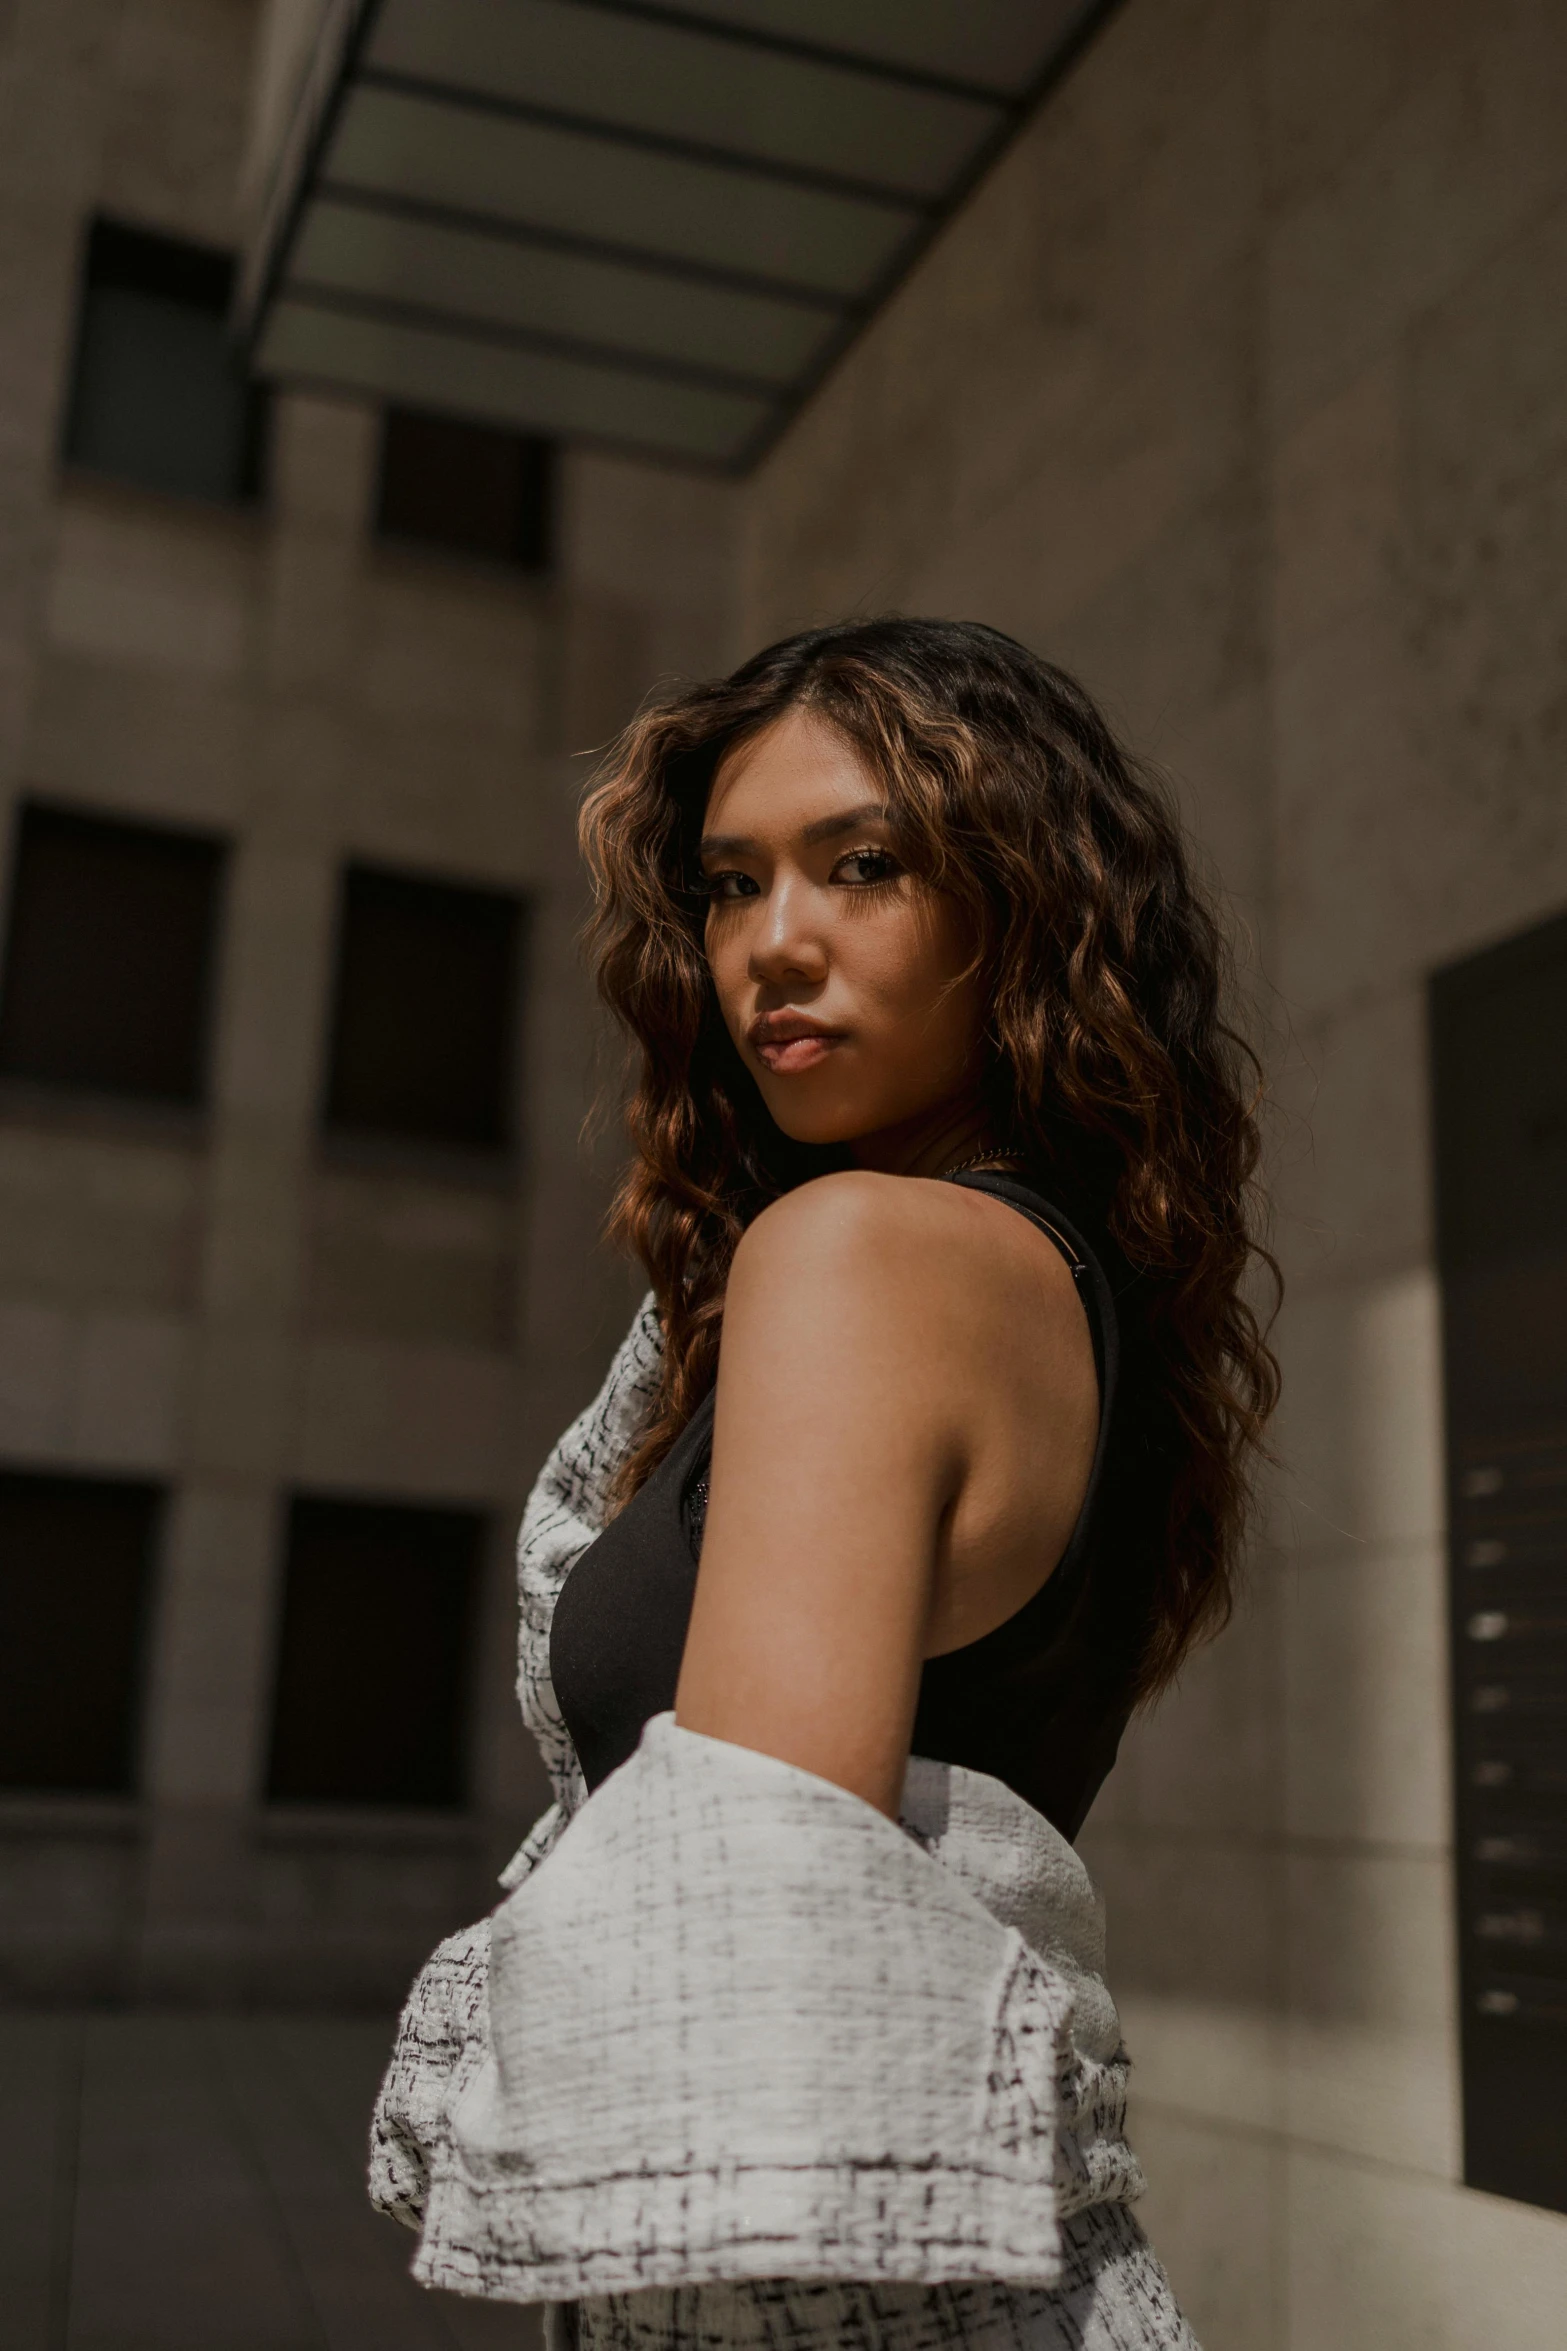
(1092, 1283)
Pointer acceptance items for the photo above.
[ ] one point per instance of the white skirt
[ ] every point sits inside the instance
(1113, 2296)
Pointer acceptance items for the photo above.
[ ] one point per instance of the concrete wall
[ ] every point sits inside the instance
(1241, 388)
(227, 1310)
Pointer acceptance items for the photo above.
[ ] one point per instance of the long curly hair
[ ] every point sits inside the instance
(1110, 1066)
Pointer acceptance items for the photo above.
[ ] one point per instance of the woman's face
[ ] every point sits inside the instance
(840, 974)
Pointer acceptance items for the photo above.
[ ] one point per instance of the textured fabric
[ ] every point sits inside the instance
(454, 2123)
(441, 2036)
(1113, 2295)
(741, 2023)
(441, 2039)
(567, 1510)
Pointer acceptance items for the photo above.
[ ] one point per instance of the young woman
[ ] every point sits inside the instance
(924, 1466)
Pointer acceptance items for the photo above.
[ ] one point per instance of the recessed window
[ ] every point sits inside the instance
(76, 1566)
(469, 488)
(424, 1017)
(160, 396)
(1501, 1167)
(373, 1655)
(109, 954)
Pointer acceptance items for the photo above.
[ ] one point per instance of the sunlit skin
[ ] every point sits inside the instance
(907, 1404)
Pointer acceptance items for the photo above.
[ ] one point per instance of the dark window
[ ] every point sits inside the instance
(373, 1656)
(467, 487)
(160, 395)
(76, 1563)
(109, 955)
(1501, 1150)
(424, 1018)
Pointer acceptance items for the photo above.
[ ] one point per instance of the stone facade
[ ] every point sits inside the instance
(1240, 387)
(227, 1310)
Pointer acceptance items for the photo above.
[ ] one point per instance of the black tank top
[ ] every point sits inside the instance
(1040, 1702)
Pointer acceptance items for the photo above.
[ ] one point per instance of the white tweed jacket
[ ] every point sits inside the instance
(737, 2054)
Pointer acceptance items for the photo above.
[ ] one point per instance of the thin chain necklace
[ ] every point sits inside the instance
(990, 1158)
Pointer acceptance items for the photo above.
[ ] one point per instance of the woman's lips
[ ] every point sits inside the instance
(789, 1044)
(787, 1055)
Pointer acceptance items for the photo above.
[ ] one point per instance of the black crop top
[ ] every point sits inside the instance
(1040, 1702)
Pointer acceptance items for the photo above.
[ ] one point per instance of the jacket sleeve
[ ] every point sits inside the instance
(742, 2026)
(442, 2031)
(567, 1510)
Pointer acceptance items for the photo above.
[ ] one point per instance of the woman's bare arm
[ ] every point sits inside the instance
(860, 1362)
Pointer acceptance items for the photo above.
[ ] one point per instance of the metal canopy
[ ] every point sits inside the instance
(617, 220)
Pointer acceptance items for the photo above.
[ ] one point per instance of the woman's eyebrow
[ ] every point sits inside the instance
(826, 828)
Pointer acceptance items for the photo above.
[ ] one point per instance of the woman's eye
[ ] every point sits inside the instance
(863, 868)
(722, 889)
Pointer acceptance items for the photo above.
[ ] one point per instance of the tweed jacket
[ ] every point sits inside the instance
(738, 2057)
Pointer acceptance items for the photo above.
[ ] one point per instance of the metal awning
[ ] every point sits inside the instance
(616, 220)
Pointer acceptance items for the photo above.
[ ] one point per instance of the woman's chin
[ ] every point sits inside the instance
(821, 1123)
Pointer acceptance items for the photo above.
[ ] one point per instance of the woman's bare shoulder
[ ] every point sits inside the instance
(906, 1244)
(890, 1356)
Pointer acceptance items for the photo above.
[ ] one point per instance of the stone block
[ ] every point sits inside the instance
(1417, 818)
(252, 1265)
(1206, 1757)
(196, 1939)
(663, 537)
(1334, 70)
(1373, 2062)
(1381, 2260)
(325, 450)
(645, 557)
(1195, 1931)
(1220, 2062)
(452, 644)
(129, 1405)
(38, 1350)
(424, 1422)
(391, 1258)
(1366, 1728)
(1351, 1172)
(211, 1660)
(273, 1002)
(175, 114)
(69, 1892)
(347, 1911)
(397, 802)
(96, 1214)
(244, 1398)
(1215, 2213)
(310, 616)
(140, 581)
(1359, 1432)
(1216, 759)
(1455, 170)
(39, 2060)
(1337, 481)
(146, 743)
(1179, 633)
(1354, 844)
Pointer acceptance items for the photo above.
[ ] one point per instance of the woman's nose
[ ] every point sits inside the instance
(786, 941)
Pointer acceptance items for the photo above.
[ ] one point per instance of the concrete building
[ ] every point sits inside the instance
(217, 1301)
(1241, 388)
(1239, 385)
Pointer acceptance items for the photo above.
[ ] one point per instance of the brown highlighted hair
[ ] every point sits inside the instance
(1111, 1069)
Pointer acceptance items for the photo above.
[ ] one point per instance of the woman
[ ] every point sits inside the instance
(925, 1465)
